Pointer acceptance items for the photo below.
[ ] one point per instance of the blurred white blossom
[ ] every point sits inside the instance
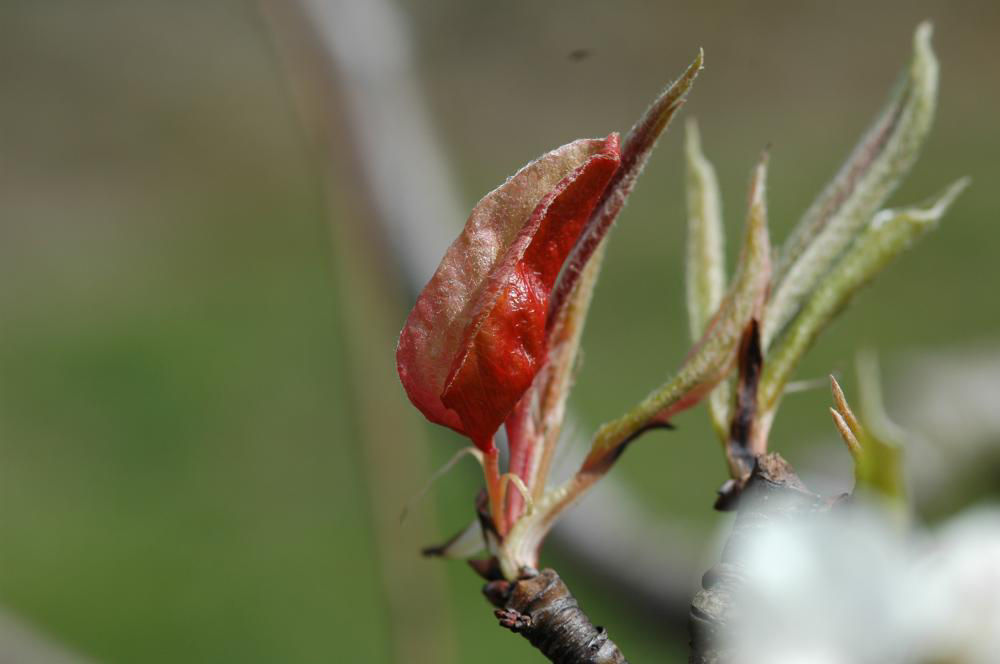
(850, 587)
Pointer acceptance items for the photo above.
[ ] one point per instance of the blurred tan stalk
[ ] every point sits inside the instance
(388, 430)
(20, 644)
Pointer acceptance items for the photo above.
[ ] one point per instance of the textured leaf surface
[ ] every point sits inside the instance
(877, 445)
(714, 355)
(639, 144)
(876, 166)
(534, 427)
(533, 430)
(705, 264)
(887, 236)
(705, 260)
(476, 336)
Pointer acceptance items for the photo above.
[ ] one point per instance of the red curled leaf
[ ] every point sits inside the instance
(476, 336)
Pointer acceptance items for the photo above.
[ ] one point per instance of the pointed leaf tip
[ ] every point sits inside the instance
(846, 434)
(875, 167)
(636, 148)
(888, 234)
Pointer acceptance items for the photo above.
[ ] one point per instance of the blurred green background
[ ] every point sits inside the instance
(189, 468)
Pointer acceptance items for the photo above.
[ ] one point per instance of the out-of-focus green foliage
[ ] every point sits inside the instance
(179, 479)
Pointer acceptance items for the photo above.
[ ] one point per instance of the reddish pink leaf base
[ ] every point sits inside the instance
(470, 350)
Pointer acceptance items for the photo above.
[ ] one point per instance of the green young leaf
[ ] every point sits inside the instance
(888, 235)
(874, 441)
(534, 426)
(881, 467)
(714, 355)
(709, 361)
(874, 169)
(706, 263)
(706, 269)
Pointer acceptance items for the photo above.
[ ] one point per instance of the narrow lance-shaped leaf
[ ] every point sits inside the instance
(639, 144)
(534, 426)
(874, 169)
(889, 233)
(845, 420)
(706, 265)
(714, 355)
(706, 269)
(476, 336)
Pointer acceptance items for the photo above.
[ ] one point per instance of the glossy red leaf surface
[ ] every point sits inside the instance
(476, 336)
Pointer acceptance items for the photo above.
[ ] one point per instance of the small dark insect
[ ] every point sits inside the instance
(580, 54)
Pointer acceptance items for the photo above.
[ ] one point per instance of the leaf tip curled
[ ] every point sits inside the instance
(691, 73)
(922, 216)
(647, 130)
(949, 195)
(680, 87)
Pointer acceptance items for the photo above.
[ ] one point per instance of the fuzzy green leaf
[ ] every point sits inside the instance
(534, 426)
(706, 269)
(888, 235)
(874, 441)
(714, 355)
(706, 259)
(874, 169)
(881, 466)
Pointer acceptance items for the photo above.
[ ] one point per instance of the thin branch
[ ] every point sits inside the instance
(541, 608)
